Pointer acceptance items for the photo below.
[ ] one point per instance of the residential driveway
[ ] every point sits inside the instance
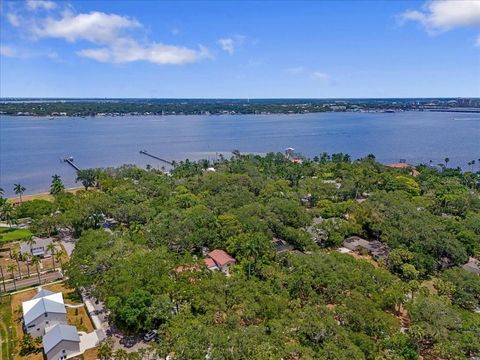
(90, 340)
(68, 242)
(97, 311)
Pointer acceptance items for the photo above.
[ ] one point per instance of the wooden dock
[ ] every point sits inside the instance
(70, 162)
(144, 152)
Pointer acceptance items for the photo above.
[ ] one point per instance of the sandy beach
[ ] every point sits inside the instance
(41, 196)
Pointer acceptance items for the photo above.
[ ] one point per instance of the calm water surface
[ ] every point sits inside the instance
(31, 148)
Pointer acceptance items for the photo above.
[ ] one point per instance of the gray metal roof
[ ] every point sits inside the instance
(58, 333)
(52, 303)
(42, 293)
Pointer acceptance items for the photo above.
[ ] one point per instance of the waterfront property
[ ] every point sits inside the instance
(43, 310)
(435, 137)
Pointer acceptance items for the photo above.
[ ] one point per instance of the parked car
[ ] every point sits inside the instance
(150, 336)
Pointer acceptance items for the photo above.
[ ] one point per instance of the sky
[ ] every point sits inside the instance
(247, 49)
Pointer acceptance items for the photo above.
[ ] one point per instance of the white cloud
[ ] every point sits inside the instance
(231, 44)
(443, 15)
(320, 75)
(13, 19)
(21, 52)
(96, 27)
(128, 50)
(41, 4)
(477, 42)
(113, 34)
(295, 70)
(227, 44)
(7, 51)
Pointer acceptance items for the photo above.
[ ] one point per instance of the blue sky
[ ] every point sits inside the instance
(240, 49)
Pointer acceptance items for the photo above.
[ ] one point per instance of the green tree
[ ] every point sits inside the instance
(19, 190)
(52, 248)
(16, 255)
(105, 351)
(11, 268)
(57, 186)
(36, 261)
(8, 213)
(87, 177)
(26, 258)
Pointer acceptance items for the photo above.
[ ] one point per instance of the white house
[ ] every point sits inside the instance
(39, 248)
(61, 342)
(43, 310)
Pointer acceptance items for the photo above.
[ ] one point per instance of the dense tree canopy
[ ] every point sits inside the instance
(311, 303)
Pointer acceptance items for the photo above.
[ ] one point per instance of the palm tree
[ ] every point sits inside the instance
(120, 354)
(19, 190)
(60, 255)
(52, 248)
(7, 213)
(446, 161)
(26, 257)
(3, 279)
(11, 268)
(15, 255)
(30, 242)
(36, 262)
(105, 350)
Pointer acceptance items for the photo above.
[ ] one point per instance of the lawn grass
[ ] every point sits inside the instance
(7, 331)
(9, 234)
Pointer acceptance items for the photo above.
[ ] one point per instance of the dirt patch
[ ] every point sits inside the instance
(90, 354)
(364, 257)
(79, 318)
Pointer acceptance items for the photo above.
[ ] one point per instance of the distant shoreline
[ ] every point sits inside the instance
(101, 115)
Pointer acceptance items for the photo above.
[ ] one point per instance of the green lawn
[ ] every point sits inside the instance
(7, 338)
(8, 234)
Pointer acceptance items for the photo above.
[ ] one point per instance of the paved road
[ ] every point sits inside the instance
(32, 280)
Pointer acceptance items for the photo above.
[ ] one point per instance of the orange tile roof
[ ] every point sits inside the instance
(220, 257)
(209, 262)
(413, 172)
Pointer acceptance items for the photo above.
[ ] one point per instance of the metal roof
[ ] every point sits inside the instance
(58, 333)
(52, 303)
(42, 293)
